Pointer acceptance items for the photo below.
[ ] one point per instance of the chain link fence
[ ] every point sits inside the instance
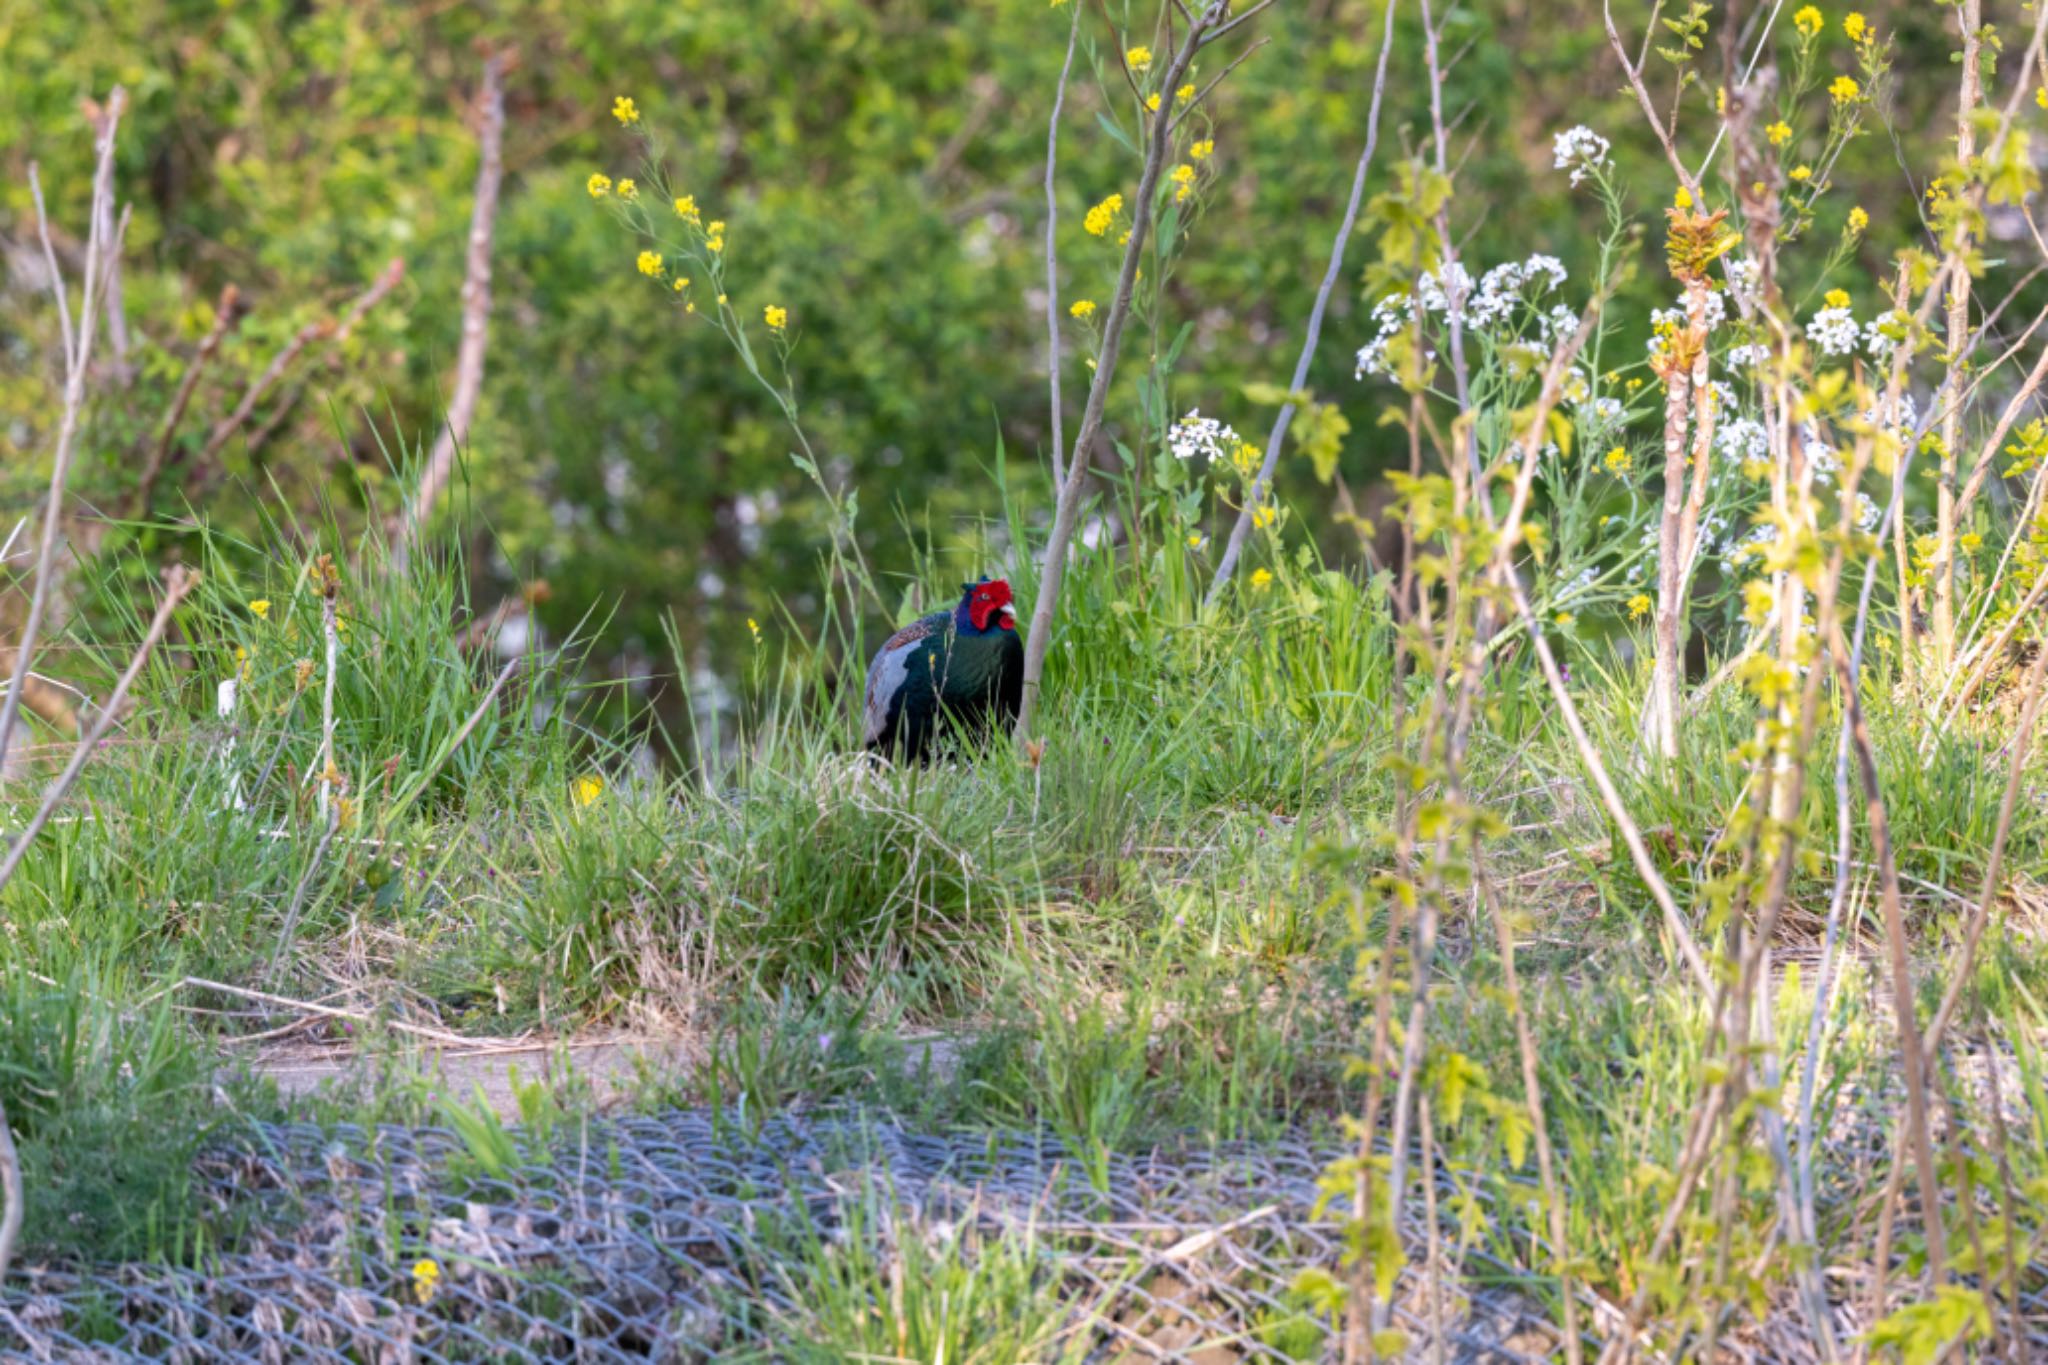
(672, 1238)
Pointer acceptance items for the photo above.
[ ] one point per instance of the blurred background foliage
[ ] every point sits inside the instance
(879, 163)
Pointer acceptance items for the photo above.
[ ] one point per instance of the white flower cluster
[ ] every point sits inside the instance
(1749, 355)
(1834, 330)
(1883, 333)
(1195, 435)
(1581, 151)
(1741, 274)
(1867, 512)
(1742, 439)
(1481, 304)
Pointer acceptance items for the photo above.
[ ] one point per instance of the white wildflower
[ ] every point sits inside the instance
(1195, 435)
(1581, 151)
(1833, 330)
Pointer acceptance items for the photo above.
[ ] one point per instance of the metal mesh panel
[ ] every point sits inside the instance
(652, 1239)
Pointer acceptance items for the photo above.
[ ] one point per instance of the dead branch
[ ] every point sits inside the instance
(100, 243)
(476, 314)
(226, 313)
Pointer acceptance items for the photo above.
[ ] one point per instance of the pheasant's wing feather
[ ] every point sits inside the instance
(888, 673)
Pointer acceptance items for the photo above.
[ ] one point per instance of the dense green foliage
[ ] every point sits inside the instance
(880, 170)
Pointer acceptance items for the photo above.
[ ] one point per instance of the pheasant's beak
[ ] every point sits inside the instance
(1008, 610)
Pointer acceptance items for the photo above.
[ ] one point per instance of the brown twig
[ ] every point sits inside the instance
(225, 314)
(476, 316)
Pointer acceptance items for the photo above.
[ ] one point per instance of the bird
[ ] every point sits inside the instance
(955, 674)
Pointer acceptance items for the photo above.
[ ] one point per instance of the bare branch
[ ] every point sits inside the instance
(178, 583)
(225, 314)
(476, 314)
(1241, 529)
(1052, 263)
(77, 355)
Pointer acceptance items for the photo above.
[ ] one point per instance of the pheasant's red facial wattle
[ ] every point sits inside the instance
(991, 602)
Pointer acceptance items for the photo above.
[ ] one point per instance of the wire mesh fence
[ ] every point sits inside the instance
(673, 1238)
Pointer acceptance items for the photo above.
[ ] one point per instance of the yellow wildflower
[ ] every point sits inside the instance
(628, 191)
(714, 235)
(1802, 172)
(260, 608)
(1618, 461)
(1202, 150)
(1854, 25)
(1565, 618)
(1152, 101)
(686, 207)
(650, 265)
(1245, 458)
(1779, 133)
(1263, 515)
(1682, 199)
(599, 185)
(1083, 308)
(1138, 58)
(682, 283)
(1837, 298)
(776, 317)
(755, 627)
(1100, 217)
(1808, 21)
(586, 789)
(1183, 182)
(425, 1275)
(624, 110)
(1184, 94)
(1858, 219)
(2041, 96)
(1194, 540)
(1262, 579)
(1639, 606)
(721, 300)
(1845, 90)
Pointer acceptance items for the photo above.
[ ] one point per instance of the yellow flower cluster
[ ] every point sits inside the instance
(1856, 27)
(625, 111)
(1808, 21)
(1639, 606)
(1845, 90)
(1262, 579)
(650, 265)
(776, 316)
(686, 209)
(1618, 461)
(1801, 173)
(628, 191)
(585, 790)
(1138, 58)
(1202, 150)
(1858, 219)
(1183, 182)
(260, 608)
(599, 185)
(425, 1275)
(1779, 133)
(1152, 102)
(1184, 94)
(1837, 298)
(1083, 308)
(1103, 215)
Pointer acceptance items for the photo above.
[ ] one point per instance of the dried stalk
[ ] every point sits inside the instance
(77, 357)
(1946, 510)
(179, 582)
(476, 314)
